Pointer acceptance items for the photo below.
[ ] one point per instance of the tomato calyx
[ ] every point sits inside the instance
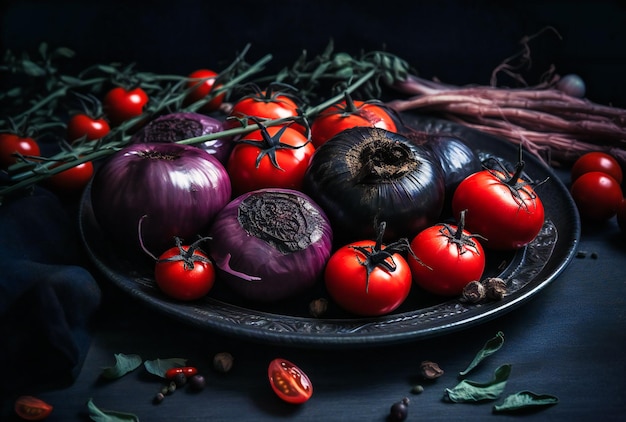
(187, 254)
(272, 93)
(377, 257)
(515, 182)
(349, 108)
(462, 241)
(269, 144)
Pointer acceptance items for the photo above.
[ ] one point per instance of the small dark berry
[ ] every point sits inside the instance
(159, 398)
(399, 410)
(179, 379)
(197, 382)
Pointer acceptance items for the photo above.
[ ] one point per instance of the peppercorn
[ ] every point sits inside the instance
(223, 362)
(473, 292)
(159, 398)
(417, 389)
(495, 288)
(430, 370)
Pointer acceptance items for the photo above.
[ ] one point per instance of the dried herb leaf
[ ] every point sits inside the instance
(491, 346)
(159, 367)
(100, 415)
(472, 391)
(524, 400)
(123, 365)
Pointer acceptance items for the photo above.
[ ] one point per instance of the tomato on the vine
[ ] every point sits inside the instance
(597, 195)
(348, 114)
(269, 104)
(289, 382)
(597, 161)
(83, 125)
(276, 156)
(450, 258)
(184, 272)
(368, 278)
(201, 84)
(72, 180)
(501, 206)
(121, 104)
(32, 408)
(11, 144)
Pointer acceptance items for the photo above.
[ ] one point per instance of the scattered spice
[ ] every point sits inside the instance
(318, 307)
(223, 362)
(473, 292)
(430, 370)
(417, 389)
(495, 288)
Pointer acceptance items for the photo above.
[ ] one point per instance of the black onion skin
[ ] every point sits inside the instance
(184, 125)
(179, 187)
(356, 201)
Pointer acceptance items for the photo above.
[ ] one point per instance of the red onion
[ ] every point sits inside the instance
(184, 125)
(270, 244)
(179, 188)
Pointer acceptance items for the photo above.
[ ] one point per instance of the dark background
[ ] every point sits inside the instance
(456, 41)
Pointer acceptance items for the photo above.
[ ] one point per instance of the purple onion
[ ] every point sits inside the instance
(270, 244)
(178, 187)
(184, 125)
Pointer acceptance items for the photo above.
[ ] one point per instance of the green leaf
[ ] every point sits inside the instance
(491, 346)
(159, 367)
(525, 400)
(101, 415)
(123, 365)
(33, 69)
(472, 391)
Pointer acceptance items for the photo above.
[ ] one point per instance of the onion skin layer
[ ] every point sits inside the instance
(408, 202)
(179, 188)
(184, 125)
(257, 270)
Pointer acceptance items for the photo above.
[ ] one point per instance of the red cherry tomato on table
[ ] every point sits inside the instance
(597, 161)
(502, 207)
(277, 157)
(365, 279)
(31, 408)
(289, 382)
(451, 257)
(11, 144)
(72, 180)
(82, 125)
(348, 114)
(203, 81)
(184, 272)
(597, 196)
(121, 104)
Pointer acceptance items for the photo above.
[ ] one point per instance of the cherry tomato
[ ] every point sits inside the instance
(204, 80)
(597, 161)
(31, 408)
(91, 128)
(11, 144)
(277, 156)
(597, 196)
(289, 382)
(187, 371)
(121, 104)
(502, 207)
(348, 114)
(184, 272)
(365, 279)
(269, 104)
(450, 258)
(72, 180)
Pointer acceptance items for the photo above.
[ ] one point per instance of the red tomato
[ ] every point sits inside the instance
(597, 161)
(346, 115)
(184, 273)
(378, 292)
(187, 371)
(503, 208)
(277, 156)
(289, 382)
(31, 408)
(11, 144)
(268, 104)
(91, 128)
(597, 196)
(204, 80)
(72, 180)
(450, 258)
(121, 104)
